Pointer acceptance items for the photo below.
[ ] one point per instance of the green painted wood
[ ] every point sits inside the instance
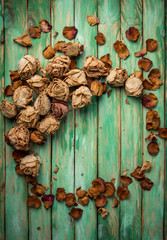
(16, 217)
(165, 115)
(2, 155)
(131, 125)
(86, 125)
(37, 10)
(153, 201)
(109, 118)
(63, 141)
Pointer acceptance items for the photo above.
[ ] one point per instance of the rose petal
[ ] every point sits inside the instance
(60, 194)
(32, 180)
(56, 170)
(70, 199)
(146, 167)
(151, 137)
(38, 190)
(97, 88)
(92, 20)
(33, 202)
(16, 84)
(14, 76)
(147, 84)
(156, 84)
(70, 32)
(106, 60)
(48, 52)
(55, 35)
(83, 199)
(123, 193)
(73, 63)
(101, 201)
(45, 26)
(23, 40)
(8, 91)
(100, 39)
(35, 31)
(103, 212)
(47, 200)
(125, 180)
(137, 175)
(146, 184)
(145, 64)
(121, 49)
(18, 170)
(115, 202)
(151, 45)
(149, 100)
(109, 189)
(152, 120)
(132, 34)
(154, 73)
(37, 137)
(162, 132)
(141, 53)
(153, 148)
(76, 213)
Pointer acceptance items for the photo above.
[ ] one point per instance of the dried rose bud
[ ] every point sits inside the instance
(59, 109)
(37, 137)
(38, 83)
(81, 97)
(42, 104)
(30, 165)
(75, 77)
(133, 86)
(8, 109)
(28, 117)
(58, 66)
(22, 96)
(48, 52)
(19, 138)
(117, 77)
(48, 125)
(97, 88)
(94, 67)
(69, 49)
(58, 90)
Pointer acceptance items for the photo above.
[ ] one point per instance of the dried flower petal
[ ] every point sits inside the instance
(37, 137)
(156, 83)
(48, 52)
(103, 212)
(162, 132)
(38, 190)
(145, 64)
(30, 164)
(141, 53)
(146, 184)
(76, 213)
(123, 193)
(149, 100)
(73, 64)
(92, 20)
(145, 167)
(56, 170)
(132, 34)
(60, 194)
(58, 90)
(14, 76)
(81, 97)
(59, 109)
(152, 120)
(45, 26)
(97, 88)
(42, 104)
(56, 34)
(101, 201)
(153, 148)
(83, 199)
(28, 117)
(125, 180)
(38, 83)
(121, 49)
(75, 77)
(154, 73)
(69, 49)
(117, 77)
(151, 45)
(16, 84)
(133, 86)
(125, 172)
(18, 154)
(18, 170)
(98, 186)
(100, 39)
(48, 200)
(115, 202)
(8, 109)
(35, 31)
(9, 91)
(151, 137)
(137, 175)
(106, 61)
(32, 180)
(33, 202)
(70, 32)
(48, 125)
(23, 40)
(109, 189)
(70, 199)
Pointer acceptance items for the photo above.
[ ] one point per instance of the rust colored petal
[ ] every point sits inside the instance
(162, 132)
(35, 31)
(132, 34)
(107, 61)
(97, 88)
(99, 183)
(73, 63)
(45, 26)
(151, 45)
(147, 84)
(153, 148)
(80, 193)
(92, 20)
(70, 199)
(48, 52)
(14, 76)
(47, 200)
(146, 167)
(16, 84)
(60, 194)
(109, 189)
(151, 137)
(18, 170)
(156, 84)
(8, 91)
(122, 193)
(32, 180)
(152, 120)
(83, 199)
(149, 100)
(146, 184)
(103, 212)
(56, 170)
(18, 154)
(141, 53)
(100, 39)
(145, 64)
(101, 201)
(76, 213)
(33, 202)
(38, 190)
(115, 202)
(23, 40)
(70, 32)
(137, 175)
(121, 49)
(125, 180)
(154, 73)
(37, 137)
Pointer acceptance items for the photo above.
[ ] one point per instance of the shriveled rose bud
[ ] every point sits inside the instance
(30, 165)
(58, 66)
(81, 97)
(37, 137)
(42, 104)
(59, 109)
(48, 125)
(117, 77)
(19, 138)
(69, 49)
(22, 96)
(28, 117)
(8, 109)
(38, 83)
(94, 67)
(97, 88)
(58, 90)
(75, 77)
(133, 86)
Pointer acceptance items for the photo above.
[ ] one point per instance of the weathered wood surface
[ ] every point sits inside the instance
(102, 139)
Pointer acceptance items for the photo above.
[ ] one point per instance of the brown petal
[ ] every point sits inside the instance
(93, 192)
(33, 202)
(104, 87)
(106, 60)
(141, 53)
(149, 100)
(35, 31)
(92, 20)
(162, 132)
(37, 137)
(23, 40)
(145, 64)
(55, 36)
(147, 84)
(115, 202)
(58, 46)
(73, 63)
(103, 212)
(56, 170)
(139, 75)
(151, 137)
(45, 26)
(16, 84)
(136, 174)
(14, 76)
(32, 180)
(70, 199)
(8, 91)
(125, 172)
(122, 193)
(132, 34)
(83, 199)
(151, 45)
(18, 154)
(125, 180)
(48, 200)
(109, 189)
(17, 169)
(146, 167)
(153, 148)
(146, 184)
(100, 39)
(154, 73)
(121, 49)
(152, 120)
(70, 32)
(99, 183)
(48, 52)
(156, 84)
(97, 88)
(80, 193)
(76, 213)
(38, 190)
(101, 201)
(60, 194)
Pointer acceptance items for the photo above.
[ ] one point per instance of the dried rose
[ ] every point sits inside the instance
(115, 202)
(73, 64)
(30, 164)
(42, 104)
(117, 77)
(37, 137)
(58, 66)
(125, 180)
(151, 45)
(145, 64)
(35, 31)
(76, 213)
(81, 97)
(48, 125)
(146, 184)
(123, 193)
(121, 49)
(133, 86)
(70, 199)
(83, 199)
(18, 170)
(69, 49)
(70, 32)
(23, 95)
(154, 73)
(100, 39)
(97, 88)
(38, 83)
(152, 120)
(162, 132)
(48, 200)
(32, 180)
(101, 201)
(38, 190)
(9, 91)
(23, 40)
(151, 137)
(58, 90)
(141, 53)
(106, 61)
(60, 194)
(92, 20)
(109, 189)
(33, 202)
(145, 167)
(137, 175)
(28, 117)
(103, 212)
(94, 67)
(153, 148)
(8, 109)
(45, 26)
(19, 137)
(149, 100)
(48, 52)
(75, 77)
(132, 34)
(14, 76)
(59, 109)
(18, 154)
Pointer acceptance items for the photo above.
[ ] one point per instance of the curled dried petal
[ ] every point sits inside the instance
(33, 202)
(117, 77)
(125, 180)
(100, 39)
(137, 174)
(123, 193)
(115, 202)
(132, 34)
(23, 40)
(92, 20)
(153, 148)
(70, 32)
(18, 155)
(38, 190)
(145, 64)
(107, 61)
(48, 125)
(8, 109)
(109, 189)
(101, 201)
(48, 200)
(37, 137)
(76, 213)
(48, 52)
(145, 167)
(151, 137)
(152, 120)
(103, 212)
(83, 199)
(151, 45)
(45, 26)
(146, 184)
(162, 132)
(60, 194)
(97, 88)
(121, 49)
(70, 199)
(154, 73)
(35, 31)
(149, 100)
(9, 91)
(14, 76)
(141, 53)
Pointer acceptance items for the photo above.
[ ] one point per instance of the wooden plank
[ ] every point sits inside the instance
(86, 125)
(16, 219)
(2, 143)
(37, 10)
(153, 201)
(109, 118)
(131, 124)
(63, 141)
(165, 145)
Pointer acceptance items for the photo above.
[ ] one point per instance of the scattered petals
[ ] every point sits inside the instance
(103, 212)
(152, 120)
(37, 137)
(125, 180)
(146, 184)
(38, 190)
(154, 73)
(9, 91)
(33, 202)
(35, 31)
(70, 32)
(101, 201)
(151, 45)
(153, 148)
(48, 52)
(115, 202)
(109, 189)
(92, 20)
(45, 26)
(48, 200)
(141, 53)
(132, 34)
(123, 193)
(23, 40)
(18, 170)
(162, 132)
(121, 49)
(149, 100)
(100, 39)
(76, 213)
(83, 199)
(70, 199)
(137, 175)
(60, 194)
(151, 137)
(145, 64)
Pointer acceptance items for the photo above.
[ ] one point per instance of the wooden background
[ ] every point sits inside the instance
(102, 139)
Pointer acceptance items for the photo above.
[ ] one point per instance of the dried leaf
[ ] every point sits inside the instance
(162, 132)
(18, 155)
(152, 120)
(136, 174)
(151, 45)
(33, 202)
(146, 184)
(14, 76)
(154, 73)
(35, 31)
(100, 39)
(149, 100)
(48, 52)
(145, 64)
(109, 189)
(76, 213)
(38, 190)
(132, 34)
(101, 201)
(60, 194)
(37, 137)
(70, 199)
(45, 26)
(103, 212)
(23, 40)
(122, 193)
(153, 148)
(141, 53)
(151, 137)
(146, 167)
(47, 200)
(115, 202)
(70, 32)
(9, 91)
(121, 49)
(125, 180)
(92, 20)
